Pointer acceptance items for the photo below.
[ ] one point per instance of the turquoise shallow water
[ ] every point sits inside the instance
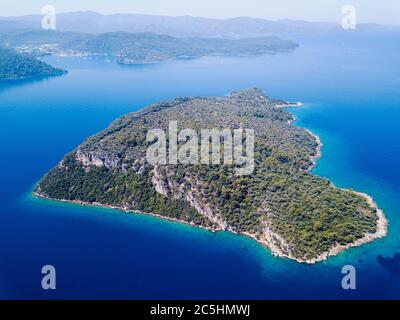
(350, 87)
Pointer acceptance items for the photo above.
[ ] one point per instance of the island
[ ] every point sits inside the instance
(281, 203)
(16, 66)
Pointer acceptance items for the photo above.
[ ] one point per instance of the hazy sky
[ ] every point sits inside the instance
(379, 11)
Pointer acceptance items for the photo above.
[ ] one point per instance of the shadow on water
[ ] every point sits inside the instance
(9, 84)
(391, 264)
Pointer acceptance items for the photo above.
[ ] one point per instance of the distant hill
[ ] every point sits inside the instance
(137, 48)
(14, 65)
(184, 26)
(140, 48)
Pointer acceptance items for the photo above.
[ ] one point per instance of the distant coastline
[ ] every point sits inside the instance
(139, 48)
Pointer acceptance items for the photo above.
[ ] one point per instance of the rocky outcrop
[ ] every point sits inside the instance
(89, 159)
(190, 190)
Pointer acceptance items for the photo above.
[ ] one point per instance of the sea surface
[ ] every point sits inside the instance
(351, 89)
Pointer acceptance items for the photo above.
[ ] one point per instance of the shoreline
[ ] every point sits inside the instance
(267, 243)
(267, 237)
(318, 151)
(381, 224)
(101, 205)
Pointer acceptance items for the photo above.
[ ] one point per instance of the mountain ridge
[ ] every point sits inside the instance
(93, 22)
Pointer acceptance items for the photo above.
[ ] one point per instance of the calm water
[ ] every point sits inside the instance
(351, 87)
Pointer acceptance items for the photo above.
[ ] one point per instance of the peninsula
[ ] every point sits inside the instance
(281, 204)
(140, 48)
(15, 66)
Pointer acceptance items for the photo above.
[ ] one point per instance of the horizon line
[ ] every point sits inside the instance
(197, 17)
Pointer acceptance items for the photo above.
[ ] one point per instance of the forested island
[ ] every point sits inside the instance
(282, 205)
(140, 48)
(15, 66)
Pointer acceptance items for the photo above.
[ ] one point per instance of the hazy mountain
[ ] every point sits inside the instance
(92, 22)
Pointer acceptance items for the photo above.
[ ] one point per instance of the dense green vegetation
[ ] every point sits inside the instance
(306, 211)
(14, 65)
(141, 48)
(153, 48)
(113, 187)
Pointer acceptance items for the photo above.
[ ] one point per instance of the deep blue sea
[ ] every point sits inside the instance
(351, 89)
